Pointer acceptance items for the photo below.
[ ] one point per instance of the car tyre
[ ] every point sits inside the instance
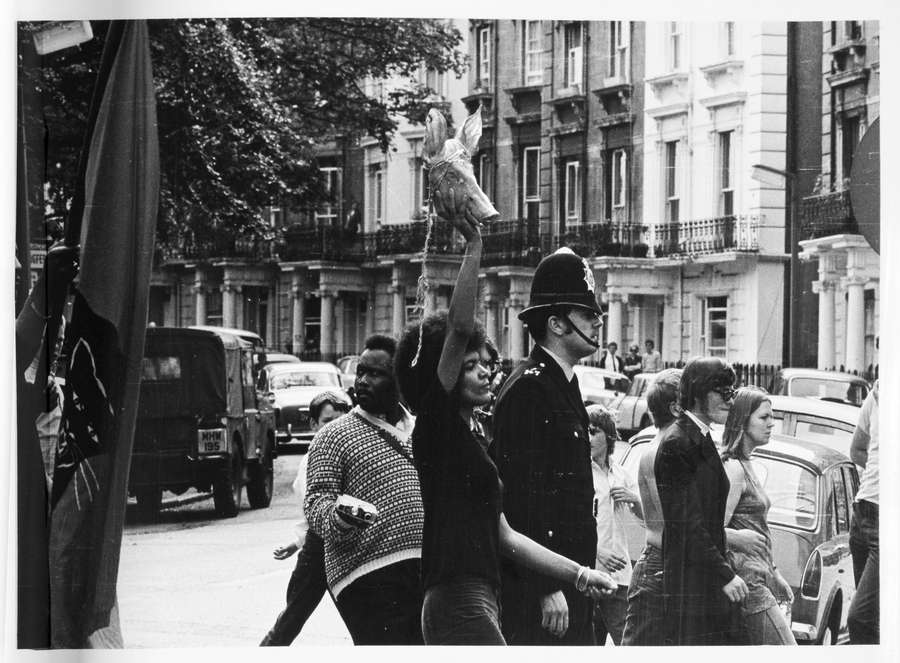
(149, 502)
(227, 486)
(262, 482)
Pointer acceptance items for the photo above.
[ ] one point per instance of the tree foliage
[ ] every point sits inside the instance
(242, 105)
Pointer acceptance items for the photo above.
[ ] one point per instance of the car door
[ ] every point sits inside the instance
(840, 560)
(832, 433)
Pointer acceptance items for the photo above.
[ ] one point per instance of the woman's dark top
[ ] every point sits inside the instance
(461, 494)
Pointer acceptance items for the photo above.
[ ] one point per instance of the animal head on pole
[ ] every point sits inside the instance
(449, 161)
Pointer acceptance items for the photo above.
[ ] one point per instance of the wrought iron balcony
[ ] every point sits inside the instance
(188, 248)
(705, 236)
(406, 238)
(605, 239)
(827, 214)
(516, 242)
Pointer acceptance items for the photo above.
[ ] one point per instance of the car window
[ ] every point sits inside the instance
(792, 490)
(833, 434)
(261, 382)
(160, 368)
(852, 392)
(839, 502)
(851, 481)
(304, 379)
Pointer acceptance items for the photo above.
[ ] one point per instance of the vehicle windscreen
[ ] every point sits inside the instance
(305, 379)
(598, 381)
(851, 392)
(792, 490)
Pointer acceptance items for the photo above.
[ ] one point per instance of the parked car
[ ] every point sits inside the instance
(199, 422)
(266, 358)
(599, 385)
(815, 420)
(347, 366)
(811, 488)
(826, 385)
(289, 388)
(631, 407)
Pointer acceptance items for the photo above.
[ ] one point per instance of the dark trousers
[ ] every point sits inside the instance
(462, 612)
(609, 616)
(863, 617)
(384, 607)
(644, 618)
(522, 617)
(305, 589)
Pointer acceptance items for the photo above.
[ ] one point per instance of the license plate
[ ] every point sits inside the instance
(212, 441)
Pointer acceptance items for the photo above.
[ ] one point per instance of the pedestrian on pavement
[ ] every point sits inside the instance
(651, 362)
(307, 585)
(363, 498)
(701, 590)
(863, 617)
(610, 360)
(645, 616)
(615, 493)
(633, 361)
(749, 425)
(543, 455)
(465, 531)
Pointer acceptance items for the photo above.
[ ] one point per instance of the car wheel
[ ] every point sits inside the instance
(262, 481)
(149, 502)
(227, 486)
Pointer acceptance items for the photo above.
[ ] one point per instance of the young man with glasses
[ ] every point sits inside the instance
(701, 590)
(541, 445)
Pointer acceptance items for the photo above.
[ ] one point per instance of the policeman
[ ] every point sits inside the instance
(542, 450)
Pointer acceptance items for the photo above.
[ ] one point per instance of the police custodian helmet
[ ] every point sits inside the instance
(562, 279)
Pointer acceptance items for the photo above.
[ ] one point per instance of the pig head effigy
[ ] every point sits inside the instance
(449, 161)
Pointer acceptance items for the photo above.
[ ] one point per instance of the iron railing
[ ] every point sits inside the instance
(703, 236)
(827, 214)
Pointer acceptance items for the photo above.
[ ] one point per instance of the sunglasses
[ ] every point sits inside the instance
(727, 393)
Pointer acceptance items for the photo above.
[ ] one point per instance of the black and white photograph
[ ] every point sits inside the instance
(357, 329)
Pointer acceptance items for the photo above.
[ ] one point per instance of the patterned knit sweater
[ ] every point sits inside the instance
(350, 456)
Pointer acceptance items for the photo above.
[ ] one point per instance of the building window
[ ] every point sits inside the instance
(213, 308)
(726, 174)
(532, 60)
(670, 178)
(852, 30)
(618, 49)
(673, 48)
(376, 182)
(729, 47)
(419, 189)
(849, 140)
(274, 216)
(483, 56)
(482, 166)
(619, 176)
(714, 336)
(572, 198)
(436, 82)
(531, 197)
(573, 41)
(329, 211)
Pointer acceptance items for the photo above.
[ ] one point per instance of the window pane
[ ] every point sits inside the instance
(792, 490)
(531, 172)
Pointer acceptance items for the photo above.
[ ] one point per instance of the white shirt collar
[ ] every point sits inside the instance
(402, 430)
(563, 364)
(704, 429)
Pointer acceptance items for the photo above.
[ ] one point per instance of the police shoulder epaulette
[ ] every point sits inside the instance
(535, 370)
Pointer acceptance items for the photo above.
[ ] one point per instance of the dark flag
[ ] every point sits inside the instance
(104, 344)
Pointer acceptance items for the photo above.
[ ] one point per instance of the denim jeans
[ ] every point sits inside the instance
(305, 589)
(863, 616)
(463, 612)
(609, 616)
(769, 627)
(644, 618)
(384, 607)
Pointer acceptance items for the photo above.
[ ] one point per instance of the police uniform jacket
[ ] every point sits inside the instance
(542, 450)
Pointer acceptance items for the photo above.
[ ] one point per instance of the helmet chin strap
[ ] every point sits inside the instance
(595, 344)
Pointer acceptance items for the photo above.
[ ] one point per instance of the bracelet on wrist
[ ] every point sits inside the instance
(581, 580)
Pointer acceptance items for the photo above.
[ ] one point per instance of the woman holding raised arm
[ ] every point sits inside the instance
(465, 531)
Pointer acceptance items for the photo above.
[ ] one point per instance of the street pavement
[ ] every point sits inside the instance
(194, 580)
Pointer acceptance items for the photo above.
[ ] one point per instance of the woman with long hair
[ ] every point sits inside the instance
(749, 426)
(442, 371)
(615, 492)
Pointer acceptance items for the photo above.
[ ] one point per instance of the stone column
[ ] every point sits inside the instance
(370, 312)
(398, 301)
(340, 324)
(491, 300)
(199, 297)
(229, 303)
(298, 315)
(430, 298)
(326, 342)
(614, 321)
(825, 289)
(856, 328)
(515, 303)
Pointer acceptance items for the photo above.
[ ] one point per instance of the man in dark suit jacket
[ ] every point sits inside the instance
(610, 360)
(701, 590)
(542, 450)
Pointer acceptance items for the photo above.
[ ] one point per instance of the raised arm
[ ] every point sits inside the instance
(461, 316)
